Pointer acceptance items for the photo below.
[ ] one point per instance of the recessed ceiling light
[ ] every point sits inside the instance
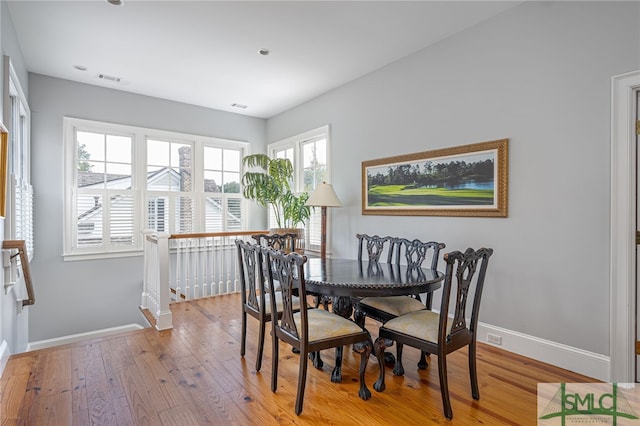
(116, 2)
(80, 67)
(264, 52)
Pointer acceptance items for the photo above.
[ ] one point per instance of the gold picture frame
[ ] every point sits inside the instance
(467, 180)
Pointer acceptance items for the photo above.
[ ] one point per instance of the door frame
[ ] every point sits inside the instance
(622, 260)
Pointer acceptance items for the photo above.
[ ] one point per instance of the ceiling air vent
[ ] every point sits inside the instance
(239, 106)
(109, 78)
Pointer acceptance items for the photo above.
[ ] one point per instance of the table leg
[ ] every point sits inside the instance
(359, 317)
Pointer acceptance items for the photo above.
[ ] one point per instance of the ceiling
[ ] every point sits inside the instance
(207, 52)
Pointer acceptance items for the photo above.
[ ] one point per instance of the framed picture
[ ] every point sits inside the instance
(468, 180)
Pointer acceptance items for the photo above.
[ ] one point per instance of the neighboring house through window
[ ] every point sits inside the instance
(123, 179)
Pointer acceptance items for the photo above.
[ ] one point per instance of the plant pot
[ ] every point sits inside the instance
(299, 238)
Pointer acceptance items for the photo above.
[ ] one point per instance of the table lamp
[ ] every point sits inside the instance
(323, 196)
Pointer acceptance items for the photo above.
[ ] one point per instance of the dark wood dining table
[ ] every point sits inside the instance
(347, 279)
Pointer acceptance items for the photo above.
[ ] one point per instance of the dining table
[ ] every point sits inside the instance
(346, 280)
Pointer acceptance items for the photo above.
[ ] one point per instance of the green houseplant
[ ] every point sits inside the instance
(268, 182)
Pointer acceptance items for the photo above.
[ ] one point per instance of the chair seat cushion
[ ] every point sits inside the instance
(325, 325)
(421, 324)
(267, 302)
(394, 305)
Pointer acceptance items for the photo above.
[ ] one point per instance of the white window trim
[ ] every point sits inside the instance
(295, 142)
(139, 137)
(18, 186)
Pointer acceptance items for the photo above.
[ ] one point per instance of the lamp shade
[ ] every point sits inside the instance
(324, 196)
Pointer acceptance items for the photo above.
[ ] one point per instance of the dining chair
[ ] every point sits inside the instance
(285, 242)
(256, 299)
(310, 330)
(437, 333)
(382, 309)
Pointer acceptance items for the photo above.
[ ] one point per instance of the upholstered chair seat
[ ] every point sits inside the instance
(394, 305)
(326, 325)
(419, 324)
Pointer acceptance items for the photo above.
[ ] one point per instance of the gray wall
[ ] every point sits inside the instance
(539, 75)
(81, 296)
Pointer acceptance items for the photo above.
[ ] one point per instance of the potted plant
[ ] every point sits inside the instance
(268, 182)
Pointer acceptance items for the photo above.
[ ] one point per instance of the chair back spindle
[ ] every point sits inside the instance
(375, 246)
(248, 271)
(286, 269)
(415, 252)
(461, 275)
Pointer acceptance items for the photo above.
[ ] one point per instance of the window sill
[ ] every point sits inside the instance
(98, 256)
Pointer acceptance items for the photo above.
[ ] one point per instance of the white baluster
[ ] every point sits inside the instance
(179, 269)
(228, 260)
(207, 289)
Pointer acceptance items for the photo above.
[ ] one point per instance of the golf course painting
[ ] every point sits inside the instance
(468, 180)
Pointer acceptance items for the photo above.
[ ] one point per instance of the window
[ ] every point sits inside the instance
(19, 209)
(124, 179)
(309, 153)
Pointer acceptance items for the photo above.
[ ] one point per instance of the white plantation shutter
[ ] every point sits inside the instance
(157, 217)
(314, 229)
(172, 213)
(89, 223)
(121, 220)
(223, 213)
(106, 219)
(183, 215)
(22, 196)
(234, 214)
(213, 220)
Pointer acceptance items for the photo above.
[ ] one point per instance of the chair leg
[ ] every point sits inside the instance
(379, 346)
(473, 373)
(359, 317)
(302, 379)
(336, 374)
(364, 349)
(422, 363)
(444, 385)
(244, 333)
(274, 363)
(398, 369)
(260, 345)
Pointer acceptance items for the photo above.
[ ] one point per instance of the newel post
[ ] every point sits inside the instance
(163, 315)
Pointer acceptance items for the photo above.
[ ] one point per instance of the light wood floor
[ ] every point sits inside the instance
(194, 375)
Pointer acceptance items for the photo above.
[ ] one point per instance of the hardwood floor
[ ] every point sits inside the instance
(194, 375)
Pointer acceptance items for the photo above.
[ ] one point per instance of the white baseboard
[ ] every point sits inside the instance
(42, 344)
(4, 356)
(578, 360)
